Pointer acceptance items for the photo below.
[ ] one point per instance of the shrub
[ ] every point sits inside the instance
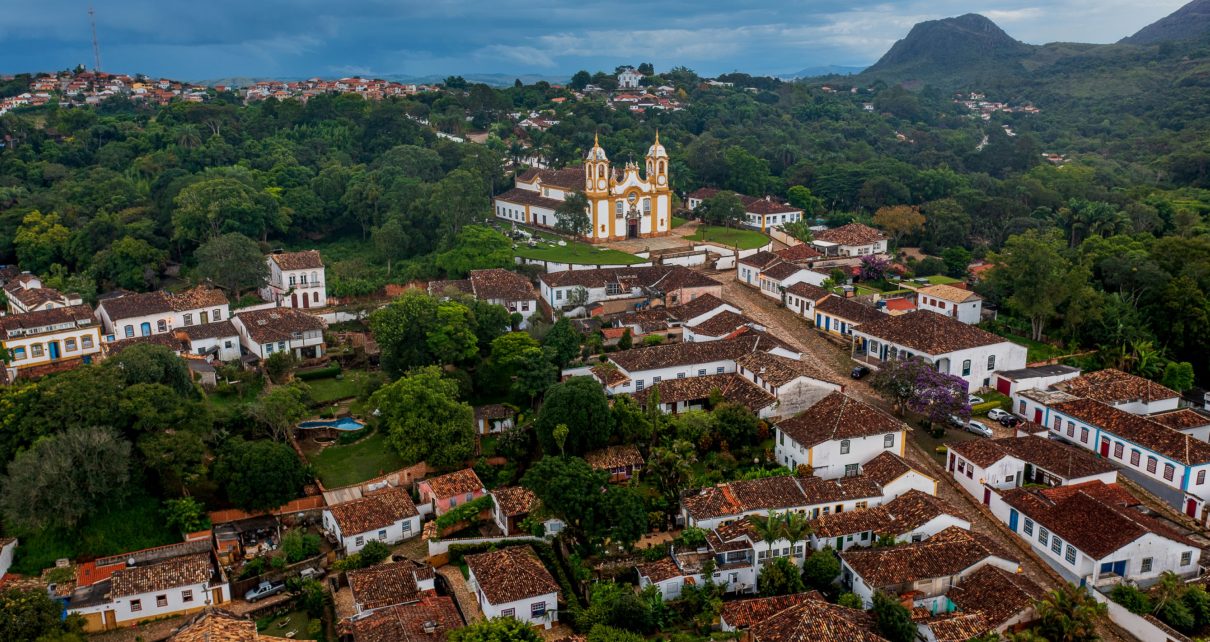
(298, 546)
(185, 514)
(981, 409)
(850, 600)
(318, 373)
(1135, 600)
(468, 512)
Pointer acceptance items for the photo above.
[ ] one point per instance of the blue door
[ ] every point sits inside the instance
(54, 350)
(1012, 520)
(145, 329)
(1117, 568)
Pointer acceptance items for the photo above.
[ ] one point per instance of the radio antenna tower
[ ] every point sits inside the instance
(96, 47)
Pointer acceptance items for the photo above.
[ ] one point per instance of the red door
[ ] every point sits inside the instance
(294, 299)
(1104, 446)
(1003, 386)
(987, 496)
(952, 458)
(306, 301)
(1191, 507)
(1038, 416)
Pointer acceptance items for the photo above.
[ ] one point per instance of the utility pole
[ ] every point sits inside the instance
(96, 47)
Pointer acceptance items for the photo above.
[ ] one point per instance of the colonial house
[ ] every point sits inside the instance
(926, 570)
(445, 492)
(740, 615)
(1188, 421)
(853, 239)
(816, 621)
(748, 268)
(836, 436)
(1124, 391)
(494, 418)
(759, 213)
(983, 465)
(26, 294)
(676, 321)
(840, 316)
(631, 371)
(896, 477)
(1003, 599)
(956, 302)
(160, 312)
(385, 585)
(694, 393)
(48, 340)
(776, 278)
(512, 582)
(622, 462)
(497, 286)
(296, 280)
(428, 620)
(264, 332)
(955, 348)
(736, 551)
(795, 384)
(147, 585)
(1009, 382)
(720, 326)
(218, 339)
(386, 515)
(1091, 531)
(802, 297)
(626, 288)
(912, 517)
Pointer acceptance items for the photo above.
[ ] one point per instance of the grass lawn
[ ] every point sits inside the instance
(941, 279)
(236, 395)
(136, 526)
(730, 236)
(678, 221)
(295, 622)
(366, 459)
(332, 389)
(1038, 351)
(574, 252)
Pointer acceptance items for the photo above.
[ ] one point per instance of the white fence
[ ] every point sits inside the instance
(552, 266)
(442, 546)
(1145, 629)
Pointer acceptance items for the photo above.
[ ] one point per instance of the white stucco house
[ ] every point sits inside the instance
(512, 582)
(266, 331)
(912, 517)
(219, 339)
(387, 516)
(296, 280)
(49, 339)
(982, 466)
(836, 435)
(160, 312)
(853, 239)
(959, 303)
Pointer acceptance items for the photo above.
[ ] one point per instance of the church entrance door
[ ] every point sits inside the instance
(632, 229)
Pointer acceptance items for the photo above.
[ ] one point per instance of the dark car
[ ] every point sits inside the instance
(1009, 421)
(859, 372)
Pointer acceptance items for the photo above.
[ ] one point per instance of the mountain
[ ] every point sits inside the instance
(1187, 23)
(822, 70)
(967, 46)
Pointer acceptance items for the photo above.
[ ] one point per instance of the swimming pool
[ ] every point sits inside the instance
(344, 423)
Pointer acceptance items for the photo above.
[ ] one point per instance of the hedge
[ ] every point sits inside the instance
(983, 408)
(465, 513)
(318, 373)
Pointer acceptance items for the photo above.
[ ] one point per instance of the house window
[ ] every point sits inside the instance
(537, 609)
(966, 368)
(1056, 545)
(86, 342)
(18, 354)
(888, 441)
(991, 360)
(1146, 565)
(1186, 558)
(655, 380)
(217, 315)
(281, 345)
(359, 541)
(719, 370)
(268, 348)
(1083, 434)
(680, 375)
(1071, 554)
(188, 318)
(1118, 447)
(1134, 457)
(701, 372)
(558, 295)
(407, 526)
(1152, 462)
(1169, 469)
(1058, 424)
(508, 613)
(844, 446)
(187, 595)
(293, 280)
(1071, 429)
(860, 505)
(638, 385)
(1201, 477)
(382, 534)
(161, 601)
(161, 326)
(35, 350)
(1043, 536)
(850, 470)
(1021, 407)
(128, 331)
(961, 465)
(69, 344)
(136, 605)
(1029, 527)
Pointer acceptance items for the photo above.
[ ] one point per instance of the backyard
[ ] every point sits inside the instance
(342, 465)
(548, 249)
(294, 625)
(331, 389)
(1038, 351)
(730, 236)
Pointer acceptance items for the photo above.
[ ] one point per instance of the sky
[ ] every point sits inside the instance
(211, 39)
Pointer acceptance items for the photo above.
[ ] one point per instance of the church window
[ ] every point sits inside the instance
(618, 207)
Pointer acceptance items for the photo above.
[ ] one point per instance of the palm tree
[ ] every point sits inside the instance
(187, 136)
(1168, 589)
(796, 528)
(769, 529)
(1070, 614)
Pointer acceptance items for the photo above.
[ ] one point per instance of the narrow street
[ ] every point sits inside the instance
(462, 593)
(796, 331)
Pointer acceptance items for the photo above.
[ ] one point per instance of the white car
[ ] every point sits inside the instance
(996, 414)
(974, 399)
(978, 428)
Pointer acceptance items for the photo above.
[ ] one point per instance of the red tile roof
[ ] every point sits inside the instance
(388, 584)
(995, 593)
(1064, 460)
(838, 416)
(852, 234)
(429, 620)
(511, 574)
(501, 284)
(1166, 441)
(373, 511)
(850, 310)
(929, 332)
(455, 484)
(817, 621)
(742, 614)
(1114, 386)
(947, 553)
(305, 260)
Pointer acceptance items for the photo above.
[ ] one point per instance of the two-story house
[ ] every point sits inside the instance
(148, 313)
(836, 436)
(853, 239)
(49, 340)
(952, 301)
(25, 294)
(264, 332)
(954, 347)
(983, 465)
(387, 515)
(512, 582)
(296, 280)
(445, 492)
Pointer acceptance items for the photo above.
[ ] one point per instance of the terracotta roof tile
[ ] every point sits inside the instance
(615, 457)
(817, 621)
(1064, 460)
(958, 627)
(929, 332)
(838, 416)
(162, 575)
(781, 271)
(429, 620)
(75, 316)
(501, 284)
(807, 291)
(760, 259)
(217, 625)
(949, 293)
(886, 467)
(680, 354)
(659, 570)
(439, 288)
(899, 516)
(734, 388)
(742, 614)
(995, 593)
(850, 310)
(775, 493)
(459, 482)
(388, 584)
(305, 260)
(947, 553)
(851, 234)
(520, 196)
(278, 324)
(1182, 419)
(1166, 441)
(511, 574)
(1114, 386)
(514, 500)
(373, 511)
(798, 253)
(214, 330)
(777, 370)
(698, 306)
(722, 324)
(566, 178)
(663, 278)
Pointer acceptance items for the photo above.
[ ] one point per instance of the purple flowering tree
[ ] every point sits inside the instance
(916, 385)
(874, 267)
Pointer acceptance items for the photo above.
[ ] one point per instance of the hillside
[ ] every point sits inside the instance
(965, 47)
(1191, 21)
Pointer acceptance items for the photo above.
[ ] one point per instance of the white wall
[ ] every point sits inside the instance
(392, 534)
(827, 459)
(91, 333)
(667, 374)
(968, 312)
(6, 556)
(910, 480)
(521, 609)
(228, 347)
(175, 603)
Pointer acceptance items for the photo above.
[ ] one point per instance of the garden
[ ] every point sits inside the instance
(344, 464)
(736, 237)
(547, 248)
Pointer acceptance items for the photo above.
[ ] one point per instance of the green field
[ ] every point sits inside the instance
(678, 221)
(574, 252)
(730, 236)
(941, 279)
(366, 459)
(332, 389)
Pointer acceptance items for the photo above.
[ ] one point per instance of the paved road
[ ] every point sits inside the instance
(462, 593)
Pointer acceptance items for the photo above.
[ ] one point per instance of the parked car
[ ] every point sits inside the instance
(859, 372)
(974, 399)
(1009, 421)
(957, 421)
(979, 428)
(310, 573)
(996, 414)
(263, 590)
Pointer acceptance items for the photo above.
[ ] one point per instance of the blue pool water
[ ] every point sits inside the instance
(344, 423)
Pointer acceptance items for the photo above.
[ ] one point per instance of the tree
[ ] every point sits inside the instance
(476, 247)
(565, 340)
(670, 469)
(916, 384)
(893, 620)
(580, 80)
(461, 198)
(957, 261)
(215, 206)
(802, 198)
(735, 424)
(796, 528)
(1035, 277)
(615, 605)
(625, 342)
(150, 363)
(279, 365)
(418, 330)
(31, 614)
(724, 208)
(497, 629)
(849, 600)
(594, 511)
(298, 545)
(571, 216)
(66, 478)
(424, 419)
(130, 263)
(874, 267)
(280, 408)
(1178, 376)
(452, 338)
(185, 514)
(746, 173)
(580, 403)
(41, 240)
(800, 230)
(260, 475)
(769, 529)
(779, 577)
(233, 262)
(820, 570)
(390, 242)
(899, 221)
(1069, 614)
(631, 424)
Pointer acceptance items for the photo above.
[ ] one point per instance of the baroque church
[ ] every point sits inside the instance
(622, 204)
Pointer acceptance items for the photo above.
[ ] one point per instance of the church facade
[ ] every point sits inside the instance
(621, 204)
